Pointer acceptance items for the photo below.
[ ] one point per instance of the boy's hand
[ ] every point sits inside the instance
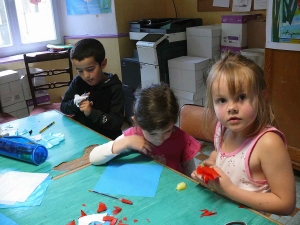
(86, 107)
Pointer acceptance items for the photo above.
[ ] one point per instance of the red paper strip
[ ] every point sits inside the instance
(125, 218)
(207, 173)
(117, 210)
(102, 207)
(135, 220)
(114, 221)
(108, 218)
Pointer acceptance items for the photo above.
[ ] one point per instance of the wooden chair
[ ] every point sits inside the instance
(190, 121)
(62, 77)
(6, 117)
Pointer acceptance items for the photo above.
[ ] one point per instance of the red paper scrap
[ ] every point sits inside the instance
(135, 220)
(241, 206)
(82, 213)
(72, 223)
(117, 210)
(84, 205)
(125, 218)
(113, 222)
(207, 213)
(108, 218)
(207, 173)
(102, 207)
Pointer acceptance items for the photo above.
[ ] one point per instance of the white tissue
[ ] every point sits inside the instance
(78, 99)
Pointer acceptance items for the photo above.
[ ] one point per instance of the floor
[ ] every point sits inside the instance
(294, 219)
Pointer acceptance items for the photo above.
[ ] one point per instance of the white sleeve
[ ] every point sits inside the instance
(102, 153)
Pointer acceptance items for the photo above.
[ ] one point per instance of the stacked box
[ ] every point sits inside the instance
(234, 31)
(11, 94)
(187, 76)
(204, 41)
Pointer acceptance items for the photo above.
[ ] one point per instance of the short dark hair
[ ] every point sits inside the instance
(155, 107)
(86, 48)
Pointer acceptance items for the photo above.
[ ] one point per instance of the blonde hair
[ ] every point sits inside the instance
(239, 72)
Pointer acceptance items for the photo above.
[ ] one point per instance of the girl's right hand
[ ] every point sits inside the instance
(138, 143)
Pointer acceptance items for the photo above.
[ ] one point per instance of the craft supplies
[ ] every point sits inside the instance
(120, 199)
(42, 130)
(23, 149)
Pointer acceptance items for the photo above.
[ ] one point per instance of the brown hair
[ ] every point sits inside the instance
(155, 107)
(239, 72)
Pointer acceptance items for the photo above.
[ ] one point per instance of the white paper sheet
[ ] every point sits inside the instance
(241, 5)
(221, 3)
(18, 186)
(260, 4)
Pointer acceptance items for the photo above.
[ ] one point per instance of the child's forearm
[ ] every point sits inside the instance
(266, 202)
(102, 154)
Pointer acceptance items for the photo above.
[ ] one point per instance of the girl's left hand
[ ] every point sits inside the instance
(222, 184)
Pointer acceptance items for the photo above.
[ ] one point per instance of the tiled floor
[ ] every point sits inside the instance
(294, 219)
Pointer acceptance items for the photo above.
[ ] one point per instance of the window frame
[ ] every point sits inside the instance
(17, 46)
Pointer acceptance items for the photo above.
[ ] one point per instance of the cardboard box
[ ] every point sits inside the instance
(186, 73)
(10, 87)
(256, 33)
(204, 41)
(39, 100)
(18, 110)
(234, 29)
(7, 76)
(12, 98)
(191, 96)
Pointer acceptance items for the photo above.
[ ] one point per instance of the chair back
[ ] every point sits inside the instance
(31, 59)
(190, 121)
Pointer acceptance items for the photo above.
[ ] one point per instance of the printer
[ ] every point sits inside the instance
(158, 41)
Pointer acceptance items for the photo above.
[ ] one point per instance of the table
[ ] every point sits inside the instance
(77, 138)
(68, 194)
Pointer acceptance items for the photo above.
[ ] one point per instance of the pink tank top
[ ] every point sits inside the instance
(236, 164)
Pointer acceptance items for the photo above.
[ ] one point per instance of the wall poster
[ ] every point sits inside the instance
(82, 7)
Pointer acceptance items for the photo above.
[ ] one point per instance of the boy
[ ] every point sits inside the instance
(103, 108)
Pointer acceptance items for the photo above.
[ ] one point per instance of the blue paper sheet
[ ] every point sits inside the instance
(130, 179)
(6, 221)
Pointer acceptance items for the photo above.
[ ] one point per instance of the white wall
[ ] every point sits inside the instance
(92, 25)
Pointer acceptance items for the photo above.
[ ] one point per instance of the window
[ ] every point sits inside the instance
(28, 26)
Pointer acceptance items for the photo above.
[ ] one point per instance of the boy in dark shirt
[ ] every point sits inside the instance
(103, 110)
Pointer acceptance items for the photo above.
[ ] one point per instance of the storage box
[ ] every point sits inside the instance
(186, 73)
(204, 41)
(191, 96)
(10, 87)
(45, 99)
(234, 29)
(18, 110)
(256, 33)
(7, 76)
(12, 98)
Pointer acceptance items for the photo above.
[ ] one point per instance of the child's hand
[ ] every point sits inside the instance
(138, 143)
(86, 107)
(222, 184)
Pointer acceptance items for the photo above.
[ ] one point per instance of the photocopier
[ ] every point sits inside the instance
(159, 40)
